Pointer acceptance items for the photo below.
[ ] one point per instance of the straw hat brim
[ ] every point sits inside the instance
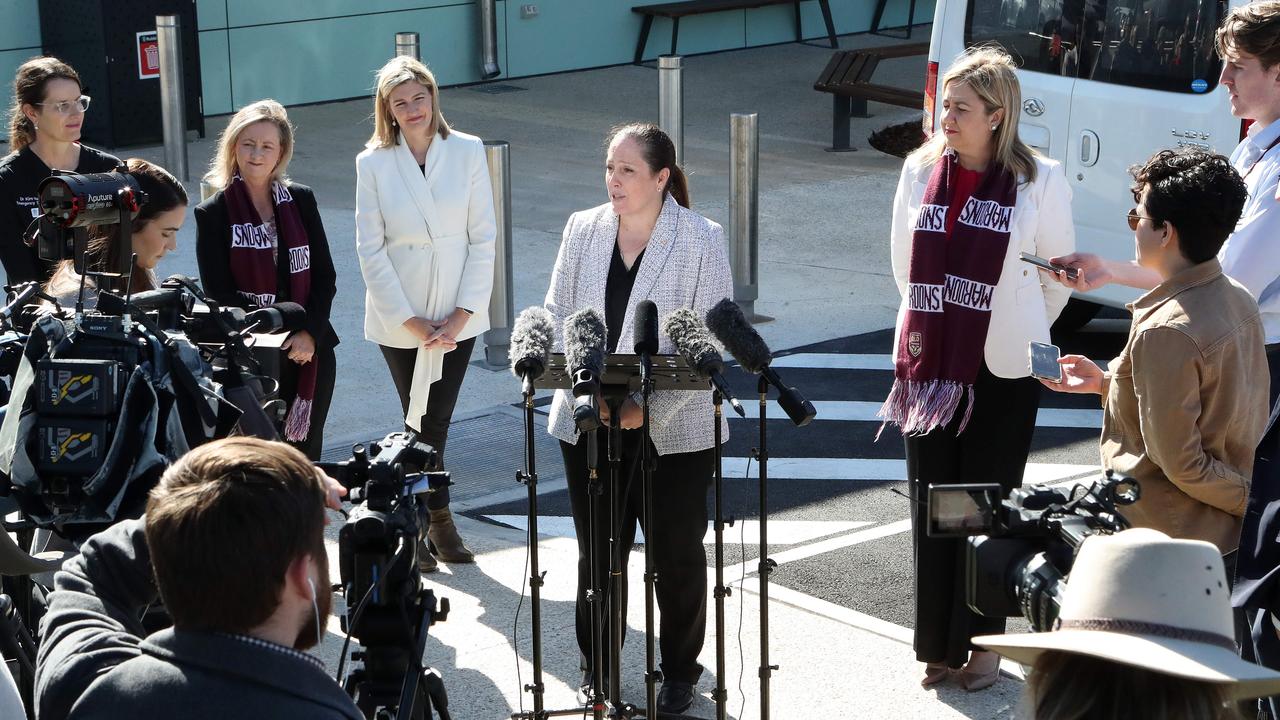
(1180, 658)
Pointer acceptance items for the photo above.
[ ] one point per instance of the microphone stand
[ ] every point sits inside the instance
(766, 565)
(720, 695)
(594, 596)
(529, 478)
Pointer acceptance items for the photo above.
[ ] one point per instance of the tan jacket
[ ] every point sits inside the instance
(1186, 403)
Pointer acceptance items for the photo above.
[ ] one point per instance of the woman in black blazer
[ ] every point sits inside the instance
(259, 241)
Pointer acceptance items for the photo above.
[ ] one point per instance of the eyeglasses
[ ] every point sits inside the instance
(67, 107)
(1134, 218)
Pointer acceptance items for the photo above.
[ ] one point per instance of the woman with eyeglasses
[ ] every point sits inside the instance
(44, 134)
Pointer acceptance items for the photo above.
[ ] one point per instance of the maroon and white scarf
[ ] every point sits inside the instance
(951, 282)
(253, 267)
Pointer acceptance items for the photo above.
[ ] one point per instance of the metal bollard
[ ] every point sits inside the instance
(173, 105)
(489, 39)
(671, 102)
(407, 44)
(497, 339)
(744, 210)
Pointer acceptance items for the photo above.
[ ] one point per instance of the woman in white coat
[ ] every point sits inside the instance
(969, 202)
(425, 234)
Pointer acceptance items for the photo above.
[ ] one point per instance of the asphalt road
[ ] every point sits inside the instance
(837, 520)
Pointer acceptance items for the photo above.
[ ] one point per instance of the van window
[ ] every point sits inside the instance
(1157, 44)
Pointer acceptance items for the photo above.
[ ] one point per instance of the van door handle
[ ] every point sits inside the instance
(1088, 148)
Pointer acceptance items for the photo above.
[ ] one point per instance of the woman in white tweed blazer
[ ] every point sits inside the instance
(645, 244)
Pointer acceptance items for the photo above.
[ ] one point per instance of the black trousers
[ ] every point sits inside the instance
(992, 449)
(444, 392)
(326, 376)
(680, 484)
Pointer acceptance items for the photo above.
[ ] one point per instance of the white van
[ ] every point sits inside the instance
(1105, 83)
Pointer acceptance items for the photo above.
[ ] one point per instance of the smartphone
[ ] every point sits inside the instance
(962, 510)
(1071, 273)
(1044, 361)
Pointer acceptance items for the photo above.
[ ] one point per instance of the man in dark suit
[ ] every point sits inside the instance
(234, 534)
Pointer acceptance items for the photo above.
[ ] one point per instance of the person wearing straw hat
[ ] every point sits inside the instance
(1145, 631)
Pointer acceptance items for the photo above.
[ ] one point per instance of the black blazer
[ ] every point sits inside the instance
(213, 253)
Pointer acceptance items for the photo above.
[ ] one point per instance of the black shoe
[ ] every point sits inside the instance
(675, 697)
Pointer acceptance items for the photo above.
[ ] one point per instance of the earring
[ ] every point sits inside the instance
(993, 128)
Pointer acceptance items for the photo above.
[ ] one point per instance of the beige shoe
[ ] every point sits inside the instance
(444, 540)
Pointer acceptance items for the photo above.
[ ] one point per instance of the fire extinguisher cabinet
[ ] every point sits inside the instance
(112, 45)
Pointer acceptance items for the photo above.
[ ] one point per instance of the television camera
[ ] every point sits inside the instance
(387, 608)
(1020, 550)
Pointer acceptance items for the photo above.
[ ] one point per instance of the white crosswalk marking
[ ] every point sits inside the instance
(835, 361)
(863, 470)
(855, 410)
(781, 532)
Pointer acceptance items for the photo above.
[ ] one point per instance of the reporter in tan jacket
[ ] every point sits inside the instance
(1185, 402)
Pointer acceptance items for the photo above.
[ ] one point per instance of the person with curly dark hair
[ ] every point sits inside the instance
(1183, 410)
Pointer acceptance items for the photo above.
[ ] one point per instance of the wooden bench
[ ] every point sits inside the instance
(848, 78)
(677, 10)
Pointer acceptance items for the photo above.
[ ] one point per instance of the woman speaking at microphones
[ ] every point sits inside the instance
(645, 244)
(969, 202)
(260, 241)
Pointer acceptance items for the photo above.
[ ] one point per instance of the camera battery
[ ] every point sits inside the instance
(71, 446)
(83, 388)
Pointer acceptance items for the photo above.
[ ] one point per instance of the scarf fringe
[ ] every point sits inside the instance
(298, 425)
(918, 407)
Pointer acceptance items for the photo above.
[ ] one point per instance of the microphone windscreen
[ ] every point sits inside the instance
(531, 340)
(584, 342)
(645, 329)
(690, 337)
(731, 328)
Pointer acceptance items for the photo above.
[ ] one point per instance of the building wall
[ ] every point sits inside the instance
(304, 51)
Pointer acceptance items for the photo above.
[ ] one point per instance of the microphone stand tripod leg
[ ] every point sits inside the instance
(616, 588)
(651, 676)
(530, 479)
(766, 564)
(595, 596)
(720, 695)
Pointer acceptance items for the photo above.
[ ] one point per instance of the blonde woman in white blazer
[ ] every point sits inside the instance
(425, 235)
(645, 244)
(968, 203)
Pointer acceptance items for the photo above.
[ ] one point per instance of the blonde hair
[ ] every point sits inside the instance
(990, 72)
(223, 166)
(397, 71)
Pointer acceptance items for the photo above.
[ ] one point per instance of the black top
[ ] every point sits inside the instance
(213, 254)
(20, 176)
(617, 295)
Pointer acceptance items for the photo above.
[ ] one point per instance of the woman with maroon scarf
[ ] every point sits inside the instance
(969, 202)
(260, 241)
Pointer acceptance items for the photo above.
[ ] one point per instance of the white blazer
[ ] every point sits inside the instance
(426, 245)
(685, 265)
(1023, 305)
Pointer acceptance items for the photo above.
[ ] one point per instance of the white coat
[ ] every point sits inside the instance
(1023, 305)
(426, 245)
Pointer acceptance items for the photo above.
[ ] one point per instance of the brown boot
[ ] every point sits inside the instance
(442, 536)
(426, 561)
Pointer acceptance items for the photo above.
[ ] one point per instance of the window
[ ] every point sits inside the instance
(1157, 44)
